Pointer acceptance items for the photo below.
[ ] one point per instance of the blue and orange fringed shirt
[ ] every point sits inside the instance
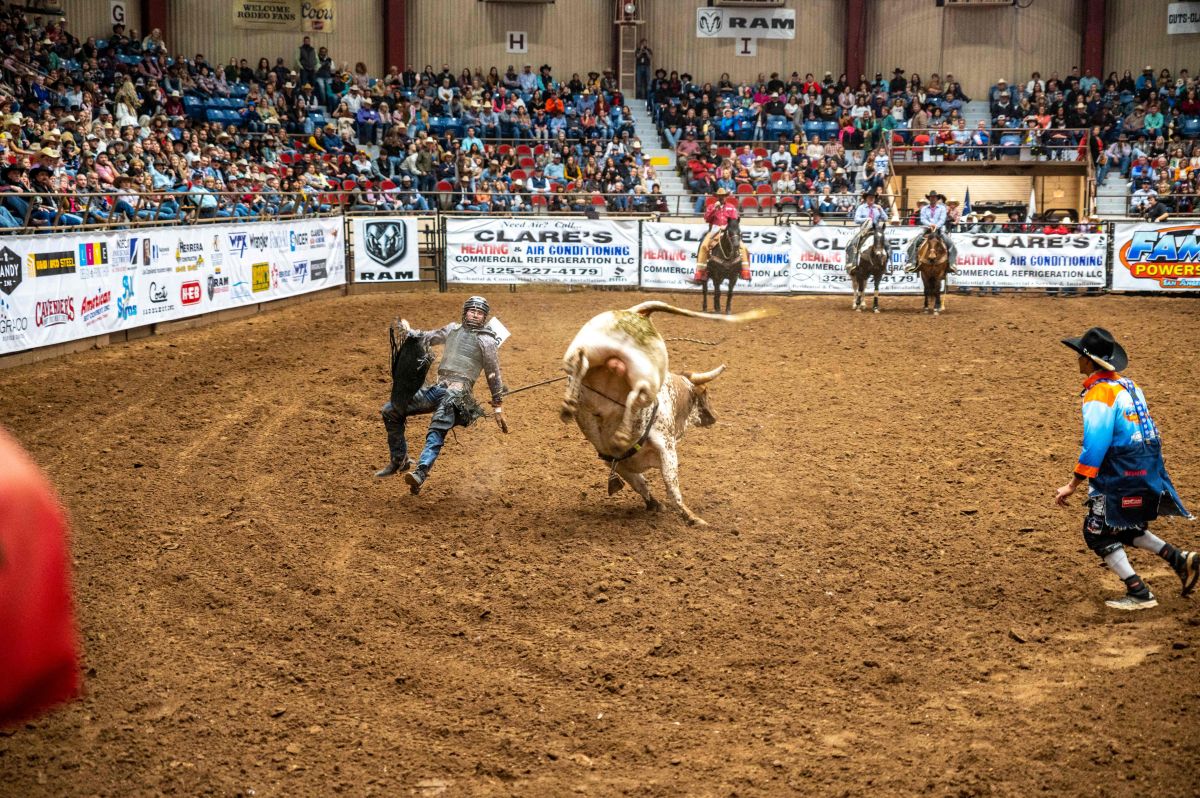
(1122, 453)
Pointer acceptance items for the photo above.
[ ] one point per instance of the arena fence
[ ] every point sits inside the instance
(67, 287)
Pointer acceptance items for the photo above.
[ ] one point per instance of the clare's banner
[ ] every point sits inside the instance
(64, 287)
(1156, 257)
(505, 251)
(669, 256)
(1030, 260)
(386, 249)
(819, 263)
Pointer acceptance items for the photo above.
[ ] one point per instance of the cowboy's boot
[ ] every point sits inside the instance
(701, 274)
(745, 263)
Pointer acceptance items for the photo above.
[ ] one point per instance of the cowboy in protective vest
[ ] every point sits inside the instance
(469, 350)
(718, 214)
(866, 215)
(1122, 459)
(933, 218)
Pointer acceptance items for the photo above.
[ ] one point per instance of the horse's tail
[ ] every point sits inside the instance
(654, 306)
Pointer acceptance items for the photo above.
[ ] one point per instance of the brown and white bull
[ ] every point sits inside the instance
(621, 396)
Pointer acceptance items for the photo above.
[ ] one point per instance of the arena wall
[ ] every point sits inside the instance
(203, 26)
(977, 45)
(1137, 36)
(91, 18)
(819, 44)
(569, 35)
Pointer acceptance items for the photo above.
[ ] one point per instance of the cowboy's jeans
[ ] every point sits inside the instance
(430, 399)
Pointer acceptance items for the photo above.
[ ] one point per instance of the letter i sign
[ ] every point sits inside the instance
(747, 46)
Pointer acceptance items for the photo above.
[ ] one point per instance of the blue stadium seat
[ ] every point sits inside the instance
(1191, 127)
(812, 128)
(829, 129)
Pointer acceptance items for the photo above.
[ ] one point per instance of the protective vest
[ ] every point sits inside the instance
(1133, 477)
(462, 358)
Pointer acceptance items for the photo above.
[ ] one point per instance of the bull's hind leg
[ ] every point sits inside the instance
(638, 483)
(670, 473)
(577, 368)
(623, 437)
(875, 305)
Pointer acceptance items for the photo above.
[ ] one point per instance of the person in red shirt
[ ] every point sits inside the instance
(38, 654)
(717, 214)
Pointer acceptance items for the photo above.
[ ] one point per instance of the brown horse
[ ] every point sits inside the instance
(724, 263)
(933, 260)
(872, 265)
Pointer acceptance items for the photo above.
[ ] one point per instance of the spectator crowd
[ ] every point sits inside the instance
(120, 129)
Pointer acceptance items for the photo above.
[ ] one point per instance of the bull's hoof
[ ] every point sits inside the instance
(653, 505)
(876, 310)
(858, 308)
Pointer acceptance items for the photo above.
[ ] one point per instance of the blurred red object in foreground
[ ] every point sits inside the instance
(38, 656)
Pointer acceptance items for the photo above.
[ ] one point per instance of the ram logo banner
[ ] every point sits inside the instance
(1157, 257)
(386, 242)
(745, 23)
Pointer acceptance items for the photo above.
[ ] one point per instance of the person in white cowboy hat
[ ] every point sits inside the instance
(1121, 458)
(933, 218)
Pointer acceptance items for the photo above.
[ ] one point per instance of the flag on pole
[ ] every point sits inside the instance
(966, 211)
(1032, 210)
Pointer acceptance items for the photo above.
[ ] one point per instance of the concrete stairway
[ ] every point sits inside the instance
(662, 158)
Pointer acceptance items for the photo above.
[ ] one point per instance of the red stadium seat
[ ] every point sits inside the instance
(749, 202)
(523, 149)
(538, 199)
(764, 189)
(517, 174)
(387, 185)
(599, 200)
(776, 176)
(724, 152)
(504, 149)
(539, 150)
(745, 188)
(444, 187)
(766, 203)
(760, 152)
(526, 162)
(347, 185)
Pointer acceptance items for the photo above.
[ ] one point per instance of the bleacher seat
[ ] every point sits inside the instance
(1191, 127)
(812, 128)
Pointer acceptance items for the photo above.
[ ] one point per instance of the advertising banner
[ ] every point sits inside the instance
(316, 16)
(669, 256)
(56, 289)
(277, 15)
(505, 251)
(1183, 18)
(1030, 260)
(386, 249)
(745, 23)
(1147, 257)
(819, 262)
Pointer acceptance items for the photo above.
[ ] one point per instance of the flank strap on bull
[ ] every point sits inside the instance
(637, 447)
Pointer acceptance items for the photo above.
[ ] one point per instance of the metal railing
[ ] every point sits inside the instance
(1177, 205)
(1006, 143)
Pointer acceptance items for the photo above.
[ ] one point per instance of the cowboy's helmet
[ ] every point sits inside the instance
(475, 303)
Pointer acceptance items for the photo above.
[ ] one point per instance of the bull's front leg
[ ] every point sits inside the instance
(638, 483)
(670, 473)
(576, 366)
(624, 434)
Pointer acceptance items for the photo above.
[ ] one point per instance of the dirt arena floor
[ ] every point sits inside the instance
(886, 601)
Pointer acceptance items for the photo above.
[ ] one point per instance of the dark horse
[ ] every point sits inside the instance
(724, 263)
(932, 262)
(872, 264)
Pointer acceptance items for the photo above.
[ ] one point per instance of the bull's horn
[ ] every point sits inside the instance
(701, 377)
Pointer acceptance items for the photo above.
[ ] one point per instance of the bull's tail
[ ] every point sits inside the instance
(646, 308)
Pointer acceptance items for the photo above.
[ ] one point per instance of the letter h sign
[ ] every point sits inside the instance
(518, 41)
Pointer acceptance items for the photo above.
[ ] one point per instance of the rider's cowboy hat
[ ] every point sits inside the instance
(720, 192)
(933, 194)
(1099, 345)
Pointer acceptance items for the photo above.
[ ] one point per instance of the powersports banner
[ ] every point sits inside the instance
(386, 250)
(1030, 260)
(1156, 257)
(60, 288)
(819, 261)
(505, 251)
(669, 256)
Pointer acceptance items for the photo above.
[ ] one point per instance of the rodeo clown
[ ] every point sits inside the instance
(1122, 458)
(718, 214)
(933, 218)
(865, 215)
(469, 350)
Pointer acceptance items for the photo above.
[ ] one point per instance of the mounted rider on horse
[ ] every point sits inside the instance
(718, 213)
(867, 214)
(933, 218)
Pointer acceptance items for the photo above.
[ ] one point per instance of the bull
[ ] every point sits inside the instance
(620, 394)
